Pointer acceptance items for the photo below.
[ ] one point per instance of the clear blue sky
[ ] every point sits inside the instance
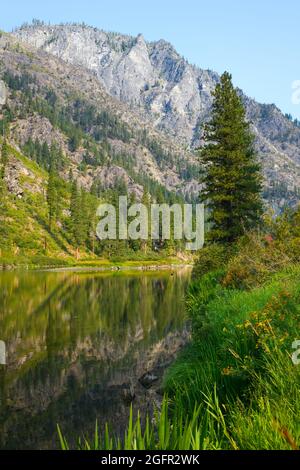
(256, 40)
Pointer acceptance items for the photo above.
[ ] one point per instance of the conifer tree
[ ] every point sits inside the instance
(83, 219)
(134, 245)
(80, 215)
(231, 176)
(4, 158)
(3, 165)
(52, 197)
(75, 211)
(146, 245)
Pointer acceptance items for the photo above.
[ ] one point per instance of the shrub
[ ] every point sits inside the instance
(257, 257)
(211, 258)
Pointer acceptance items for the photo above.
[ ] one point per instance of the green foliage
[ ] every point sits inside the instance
(211, 258)
(54, 196)
(47, 157)
(257, 255)
(231, 176)
(3, 165)
(4, 158)
(51, 197)
(244, 310)
(242, 345)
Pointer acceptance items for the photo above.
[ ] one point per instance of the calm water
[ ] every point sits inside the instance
(74, 342)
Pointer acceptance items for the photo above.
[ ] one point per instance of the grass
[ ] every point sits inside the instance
(161, 433)
(242, 347)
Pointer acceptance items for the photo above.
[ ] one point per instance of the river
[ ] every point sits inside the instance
(77, 344)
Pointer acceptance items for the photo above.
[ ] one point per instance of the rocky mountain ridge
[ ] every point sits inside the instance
(154, 81)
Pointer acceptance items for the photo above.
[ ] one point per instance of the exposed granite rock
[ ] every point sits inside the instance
(69, 82)
(38, 128)
(152, 76)
(3, 93)
(108, 176)
(19, 179)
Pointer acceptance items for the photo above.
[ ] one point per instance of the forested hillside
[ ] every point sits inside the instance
(66, 147)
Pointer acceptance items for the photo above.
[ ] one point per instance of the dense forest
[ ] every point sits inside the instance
(65, 209)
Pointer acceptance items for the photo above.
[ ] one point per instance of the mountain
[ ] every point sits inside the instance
(143, 106)
(122, 145)
(172, 94)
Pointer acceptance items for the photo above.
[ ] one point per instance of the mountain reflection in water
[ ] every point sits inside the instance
(74, 343)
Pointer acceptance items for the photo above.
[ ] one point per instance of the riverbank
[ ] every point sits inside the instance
(234, 387)
(121, 268)
(240, 365)
(70, 264)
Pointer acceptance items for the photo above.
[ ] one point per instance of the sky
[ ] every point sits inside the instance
(257, 41)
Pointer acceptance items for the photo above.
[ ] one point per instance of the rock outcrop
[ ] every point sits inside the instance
(3, 93)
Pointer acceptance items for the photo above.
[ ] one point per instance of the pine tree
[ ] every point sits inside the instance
(52, 197)
(3, 165)
(75, 210)
(83, 219)
(146, 245)
(134, 245)
(79, 215)
(45, 156)
(4, 158)
(231, 176)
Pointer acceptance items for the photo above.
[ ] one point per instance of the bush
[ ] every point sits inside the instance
(211, 258)
(257, 257)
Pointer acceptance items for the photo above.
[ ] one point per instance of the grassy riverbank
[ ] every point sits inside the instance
(44, 262)
(239, 365)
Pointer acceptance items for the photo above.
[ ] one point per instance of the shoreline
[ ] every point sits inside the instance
(104, 266)
(142, 268)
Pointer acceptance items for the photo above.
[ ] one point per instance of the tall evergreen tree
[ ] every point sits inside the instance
(3, 165)
(4, 158)
(45, 156)
(52, 197)
(83, 220)
(231, 176)
(79, 215)
(75, 210)
(146, 245)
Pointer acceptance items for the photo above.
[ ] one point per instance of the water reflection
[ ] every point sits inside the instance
(73, 342)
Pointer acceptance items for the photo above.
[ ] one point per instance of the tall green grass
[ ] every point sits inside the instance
(164, 432)
(242, 347)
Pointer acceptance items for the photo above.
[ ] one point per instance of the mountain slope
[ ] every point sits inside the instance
(52, 101)
(172, 94)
